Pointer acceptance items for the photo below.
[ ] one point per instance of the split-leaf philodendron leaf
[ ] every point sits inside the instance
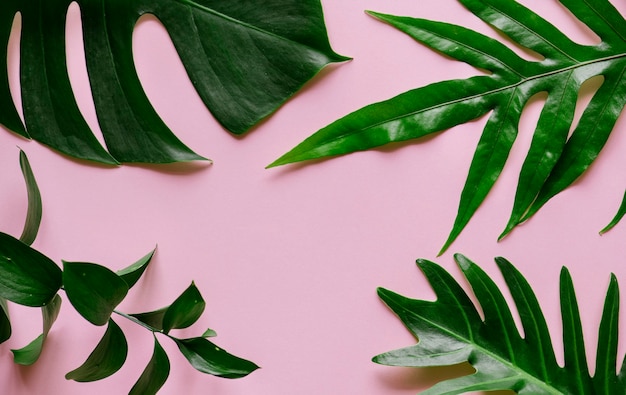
(244, 58)
(451, 331)
(554, 160)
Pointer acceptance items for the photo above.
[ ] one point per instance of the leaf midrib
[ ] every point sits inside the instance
(192, 4)
(489, 353)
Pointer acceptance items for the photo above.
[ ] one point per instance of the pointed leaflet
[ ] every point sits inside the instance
(155, 374)
(27, 277)
(618, 216)
(450, 331)
(93, 290)
(244, 59)
(554, 161)
(29, 354)
(208, 358)
(182, 313)
(33, 214)
(106, 359)
(132, 273)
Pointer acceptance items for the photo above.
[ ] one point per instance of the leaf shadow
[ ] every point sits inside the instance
(407, 378)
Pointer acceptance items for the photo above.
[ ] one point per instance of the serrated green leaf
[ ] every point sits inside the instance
(155, 374)
(244, 59)
(5, 322)
(133, 273)
(554, 160)
(618, 216)
(450, 331)
(208, 358)
(27, 277)
(30, 353)
(93, 290)
(106, 359)
(33, 214)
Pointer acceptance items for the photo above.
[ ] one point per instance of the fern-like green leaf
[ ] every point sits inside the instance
(451, 331)
(554, 160)
(244, 58)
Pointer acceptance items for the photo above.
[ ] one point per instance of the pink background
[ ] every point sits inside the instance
(289, 259)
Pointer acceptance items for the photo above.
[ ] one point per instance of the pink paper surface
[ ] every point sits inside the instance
(289, 259)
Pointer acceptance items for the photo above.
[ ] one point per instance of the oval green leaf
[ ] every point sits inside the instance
(93, 290)
(106, 359)
(154, 375)
(208, 358)
(27, 277)
(185, 310)
(29, 354)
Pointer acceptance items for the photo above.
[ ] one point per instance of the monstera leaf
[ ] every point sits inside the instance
(555, 158)
(245, 58)
(451, 331)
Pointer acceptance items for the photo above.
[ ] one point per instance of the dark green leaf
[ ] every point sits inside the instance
(182, 313)
(33, 215)
(554, 161)
(5, 323)
(244, 59)
(185, 310)
(154, 375)
(106, 359)
(618, 216)
(29, 354)
(93, 290)
(209, 358)
(450, 331)
(153, 319)
(27, 277)
(133, 273)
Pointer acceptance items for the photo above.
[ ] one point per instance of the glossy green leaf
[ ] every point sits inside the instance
(106, 359)
(133, 273)
(244, 59)
(31, 352)
(33, 214)
(451, 331)
(93, 290)
(618, 216)
(208, 358)
(182, 313)
(154, 375)
(5, 322)
(554, 160)
(27, 277)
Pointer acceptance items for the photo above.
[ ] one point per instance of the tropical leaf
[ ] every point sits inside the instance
(155, 374)
(244, 58)
(107, 358)
(30, 353)
(93, 290)
(554, 160)
(133, 273)
(618, 216)
(208, 358)
(5, 322)
(451, 331)
(35, 208)
(182, 313)
(27, 277)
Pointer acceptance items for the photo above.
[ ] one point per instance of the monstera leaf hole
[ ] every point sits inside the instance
(13, 69)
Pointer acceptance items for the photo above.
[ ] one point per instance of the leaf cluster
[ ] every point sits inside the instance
(451, 331)
(557, 155)
(244, 59)
(29, 278)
